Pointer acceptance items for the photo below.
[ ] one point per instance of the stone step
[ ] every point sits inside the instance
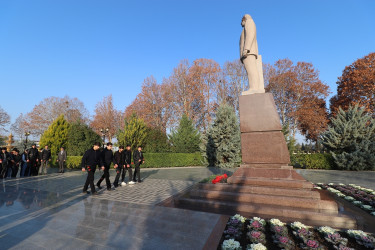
(271, 173)
(290, 192)
(286, 201)
(286, 214)
(271, 182)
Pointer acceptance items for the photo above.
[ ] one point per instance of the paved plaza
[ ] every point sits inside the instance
(50, 211)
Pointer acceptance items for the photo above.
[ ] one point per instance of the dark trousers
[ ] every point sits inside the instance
(4, 171)
(61, 166)
(89, 181)
(137, 172)
(119, 170)
(33, 166)
(130, 173)
(106, 177)
(15, 170)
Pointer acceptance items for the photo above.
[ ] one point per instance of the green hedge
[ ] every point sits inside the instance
(156, 160)
(312, 161)
(153, 160)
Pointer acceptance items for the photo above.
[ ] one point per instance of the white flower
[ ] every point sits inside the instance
(349, 198)
(230, 244)
(341, 184)
(330, 184)
(327, 230)
(357, 202)
(340, 194)
(373, 213)
(367, 207)
(239, 217)
(298, 225)
(276, 222)
(318, 188)
(356, 232)
(258, 246)
(320, 184)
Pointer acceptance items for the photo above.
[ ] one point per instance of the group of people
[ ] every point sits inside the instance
(30, 163)
(122, 160)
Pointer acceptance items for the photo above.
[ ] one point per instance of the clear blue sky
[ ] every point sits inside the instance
(92, 48)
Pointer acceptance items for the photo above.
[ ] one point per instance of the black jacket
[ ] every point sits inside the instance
(16, 159)
(127, 157)
(5, 158)
(107, 157)
(91, 159)
(138, 155)
(119, 158)
(46, 155)
(32, 154)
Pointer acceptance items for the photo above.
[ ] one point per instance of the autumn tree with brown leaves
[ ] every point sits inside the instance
(356, 86)
(4, 118)
(107, 117)
(49, 109)
(299, 96)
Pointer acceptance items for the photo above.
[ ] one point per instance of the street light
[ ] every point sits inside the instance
(26, 134)
(104, 132)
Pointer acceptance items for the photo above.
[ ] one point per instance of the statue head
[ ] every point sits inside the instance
(244, 18)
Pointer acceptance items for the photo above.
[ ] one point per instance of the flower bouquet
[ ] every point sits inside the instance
(362, 238)
(257, 246)
(333, 237)
(230, 244)
(220, 179)
(256, 236)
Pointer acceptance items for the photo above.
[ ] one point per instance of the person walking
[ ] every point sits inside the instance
(138, 160)
(32, 160)
(106, 160)
(128, 166)
(90, 160)
(45, 158)
(119, 164)
(61, 158)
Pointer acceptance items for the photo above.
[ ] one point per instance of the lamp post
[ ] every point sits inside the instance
(104, 132)
(26, 135)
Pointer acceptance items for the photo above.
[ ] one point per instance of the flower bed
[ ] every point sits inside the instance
(257, 233)
(359, 196)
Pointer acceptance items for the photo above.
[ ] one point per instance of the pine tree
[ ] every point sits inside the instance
(56, 136)
(80, 138)
(156, 141)
(351, 139)
(134, 133)
(186, 139)
(222, 144)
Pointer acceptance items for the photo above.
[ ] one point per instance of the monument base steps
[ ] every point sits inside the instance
(268, 193)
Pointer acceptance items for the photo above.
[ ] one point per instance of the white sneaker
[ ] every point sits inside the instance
(123, 184)
(131, 182)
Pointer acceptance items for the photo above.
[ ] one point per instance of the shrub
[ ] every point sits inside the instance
(313, 161)
(155, 160)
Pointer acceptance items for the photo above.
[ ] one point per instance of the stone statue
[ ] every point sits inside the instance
(249, 56)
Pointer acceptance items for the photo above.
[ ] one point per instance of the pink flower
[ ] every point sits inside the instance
(256, 224)
(255, 234)
(283, 239)
(312, 243)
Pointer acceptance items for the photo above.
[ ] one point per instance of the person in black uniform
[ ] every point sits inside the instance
(90, 160)
(106, 160)
(32, 160)
(128, 166)
(5, 161)
(138, 160)
(15, 162)
(119, 164)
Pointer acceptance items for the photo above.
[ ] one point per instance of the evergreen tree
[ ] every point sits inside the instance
(186, 139)
(222, 143)
(156, 141)
(134, 133)
(351, 139)
(80, 138)
(56, 136)
(290, 141)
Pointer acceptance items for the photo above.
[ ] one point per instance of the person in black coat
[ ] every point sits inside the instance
(90, 160)
(119, 164)
(15, 162)
(138, 160)
(107, 159)
(128, 166)
(5, 161)
(32, 160)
